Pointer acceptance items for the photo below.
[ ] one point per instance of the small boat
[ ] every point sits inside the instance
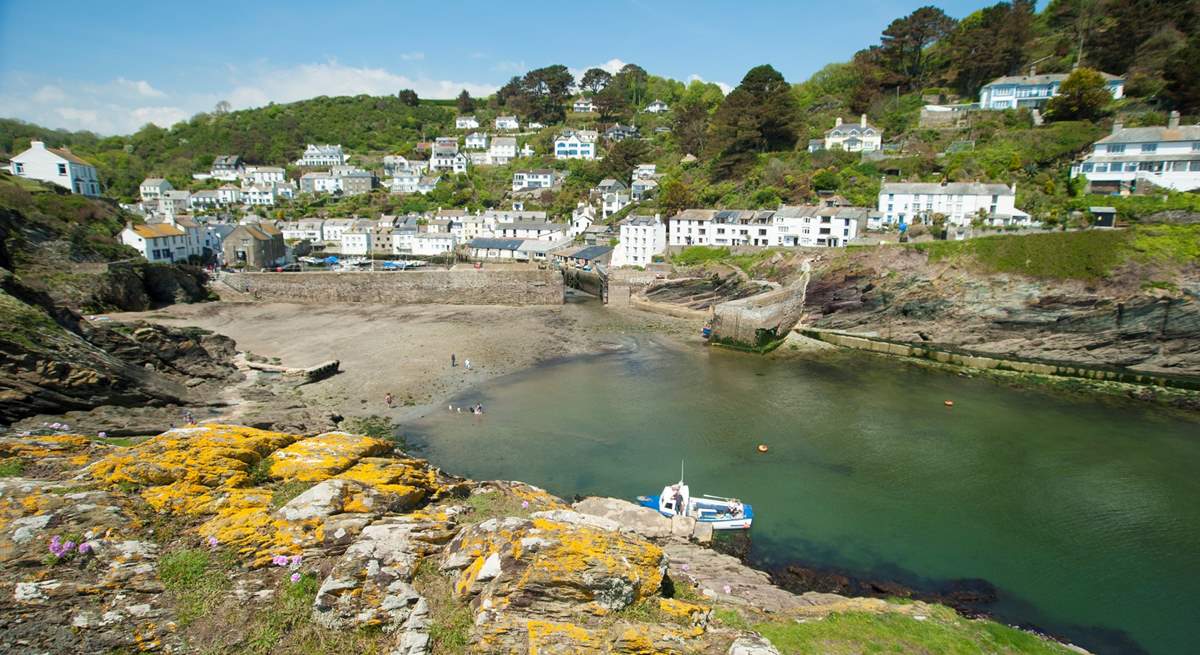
(722, 513)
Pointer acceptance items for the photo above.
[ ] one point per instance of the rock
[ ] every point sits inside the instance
(752, 645)
(682, 527)
(630, 517)
(577, 518)
(703, 532)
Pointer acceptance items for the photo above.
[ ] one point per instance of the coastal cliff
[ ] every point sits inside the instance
(223, 538)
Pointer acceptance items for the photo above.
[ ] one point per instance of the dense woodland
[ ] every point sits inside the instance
(750, 145)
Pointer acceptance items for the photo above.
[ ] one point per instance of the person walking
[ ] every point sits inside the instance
(387, 398)
(452, 362)
(467, 363)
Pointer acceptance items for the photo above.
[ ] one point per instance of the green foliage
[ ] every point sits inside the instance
(757, 116)
(1086, 255)
(1182, 75)
(379, 427)
(450, 619)
(196, 578)
(286, 491)
(11, 468)
(494, 504)
(695, 255)
(1082, 96)
(942, 632)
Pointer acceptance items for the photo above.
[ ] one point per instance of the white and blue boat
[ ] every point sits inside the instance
(722, 513)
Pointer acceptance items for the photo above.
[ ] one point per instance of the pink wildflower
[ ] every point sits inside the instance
(279, 560)
(212, 542)
(102, 434)
(84, 548)
(524, 504)
(295, 560)
(684, 566)
(728, 589)
(295, 577)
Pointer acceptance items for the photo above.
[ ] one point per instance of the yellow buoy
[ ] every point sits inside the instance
(948, 403)
(762, 448)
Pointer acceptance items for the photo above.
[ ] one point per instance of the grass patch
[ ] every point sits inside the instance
(196, 578)
(731, 618)
(1178, 244)
(1086, 255)
(493, 504)
(285, 492)
(260, 473)
(943, 632)
(11, 468)
(695, 255)
(450, 619)
(379, 427)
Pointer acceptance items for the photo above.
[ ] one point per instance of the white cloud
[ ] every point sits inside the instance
(412, 56)
(88, 119)
(49, 94)
(514, 67)
(160, 116)
(612, 66)
(140, 87)
(333, 79)
(725, 88)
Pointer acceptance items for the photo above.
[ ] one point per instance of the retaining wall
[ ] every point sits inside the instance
(458, 287)
(760, 319)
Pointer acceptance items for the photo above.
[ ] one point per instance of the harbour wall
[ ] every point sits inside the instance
(458, 287)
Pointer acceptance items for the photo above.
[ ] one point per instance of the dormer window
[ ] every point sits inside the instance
(1116, 148)
(1149, 147)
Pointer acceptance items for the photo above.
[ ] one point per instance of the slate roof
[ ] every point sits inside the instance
(496, 244)
(1044, 78)
(1153, 134)
(591, 252)
(953, 188)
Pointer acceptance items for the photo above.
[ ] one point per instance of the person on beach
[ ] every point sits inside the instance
(467, 363)
(387, 398)
(452, 362)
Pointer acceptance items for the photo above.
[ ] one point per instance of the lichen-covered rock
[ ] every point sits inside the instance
(554, 569)
(752, 645)
(630, 517)
(516, 635)
(324, 456)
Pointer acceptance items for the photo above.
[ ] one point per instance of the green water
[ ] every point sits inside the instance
(1083, 514)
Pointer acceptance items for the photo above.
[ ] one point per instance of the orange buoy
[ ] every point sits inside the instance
(762, 448)
(948, 403)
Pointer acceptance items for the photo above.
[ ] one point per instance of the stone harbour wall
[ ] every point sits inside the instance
(760, 320)
(462, 287)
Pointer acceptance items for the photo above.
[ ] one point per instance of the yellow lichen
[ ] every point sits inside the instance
(549, 636)
(43, 446)
(324, 456)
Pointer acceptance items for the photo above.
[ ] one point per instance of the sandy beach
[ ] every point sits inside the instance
(405, 349)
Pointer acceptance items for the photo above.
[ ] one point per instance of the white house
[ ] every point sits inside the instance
(393, 164)
(476, 141)
(323, 155)
(310, 229)
(428, 183)
(503, 150)
(583, 106)
(174, 202)
(722, 227)
(319, 182)
(582, 218)
(642, 189)
(614, 201)
(1131, 158)
(959, 202)
(446, 157)
(228, 194)
(542, 178)
(226, 167)
(466, 123)
(356, 241)
(259, 194)
(853, 137)
(264, 174)
(193, 235)
(575, 144)
(157, 242)
(527, 150)
(58, 166)
(541, 230)
(204, 199)
(507, 123)
(641, 238)
(433, 243)
(817, 226)
(153, 188)
(644, 172)
(1034, 90)
(657, 107)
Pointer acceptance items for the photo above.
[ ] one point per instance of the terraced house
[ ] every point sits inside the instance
(1033, 90)
(1137, 159)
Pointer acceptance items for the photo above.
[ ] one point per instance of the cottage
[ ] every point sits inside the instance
(1033, 90)
(264, 174)
(585, 256)
(959, 202)
(583, 106)
(333, 228)
(254, 247)
(428, 183)
(614, 201)
(644, 171)
(542, 178)
(228, 194)
(306, 229)
(817, 226)
(1136, 159)
(539, 230)
(582, 218)
(259, 194)
(476, 141)
(227, 167)
(620, 132)
(204, 199)
(575, 144)
(58, 166)
(657, 107)
(852, 137)
(174, 202)
(642, 189)
(641, 238)
(722, 227)
(432, 244)
(357, 241)
(466, 123)
(503, 150)
(323, 155)
(153, 188)
(157, 242)
(507, 123)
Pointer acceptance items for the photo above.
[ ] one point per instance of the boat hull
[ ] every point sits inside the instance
(718, 522)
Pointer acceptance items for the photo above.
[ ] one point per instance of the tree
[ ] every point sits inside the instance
(690, 126)
(1182, 74)
(594, 80)
(465, 104)
(539, 95)
(1082, 96)
(622, 157)
(674, 196)
(611, 103)
(757, 116)
(632, 80)
(222, 108)
(904, 42)
(408, 97)
(988, 44)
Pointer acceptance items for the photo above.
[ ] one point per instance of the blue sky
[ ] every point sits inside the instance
(114, 66)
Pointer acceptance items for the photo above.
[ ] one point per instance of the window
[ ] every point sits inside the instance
(1149, 147)
(1116, 147)
(1196, 146)
(20, 168)
(62, 169)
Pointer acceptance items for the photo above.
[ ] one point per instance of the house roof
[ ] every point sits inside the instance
(532, 225)
(504, 141)
(1044, 78)
(640, 220)
(68, 155)
(591, 252)
(1153, 134)
(954, 188)
(227, 160)
(496, 244)
(157, 230)
(205, 193)
(1102, 210)
(694, 215)
(152, 181)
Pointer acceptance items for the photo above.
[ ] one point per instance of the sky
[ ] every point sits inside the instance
(111, 67)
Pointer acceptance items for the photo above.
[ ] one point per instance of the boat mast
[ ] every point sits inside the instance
(681, 471)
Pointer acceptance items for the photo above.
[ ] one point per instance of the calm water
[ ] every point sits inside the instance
(1084, 515)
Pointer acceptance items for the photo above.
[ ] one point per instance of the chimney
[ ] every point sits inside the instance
(1118, 126)
(1032, 71)
(864, 120)
(838, 122)
(37, 144)
(1173, 121)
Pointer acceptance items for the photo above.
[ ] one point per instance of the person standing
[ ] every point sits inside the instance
(467, 363)
(452, 362)
(387, 398)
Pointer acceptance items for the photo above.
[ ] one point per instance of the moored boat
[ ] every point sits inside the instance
(722, 513)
